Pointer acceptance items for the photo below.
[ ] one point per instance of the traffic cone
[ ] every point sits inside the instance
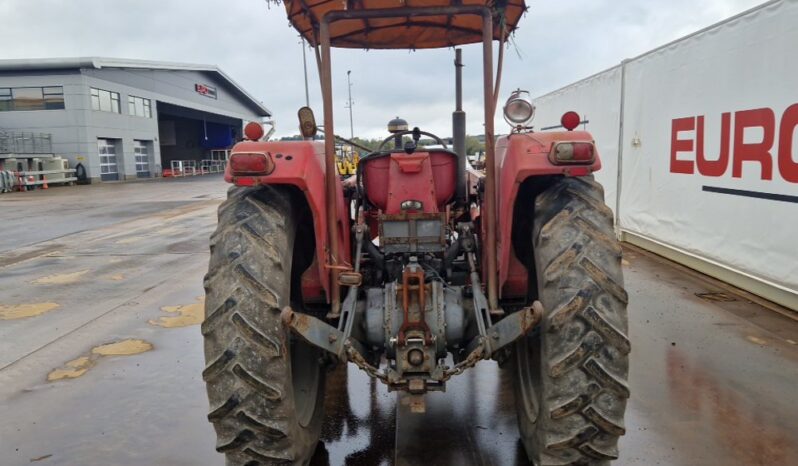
(44, 178)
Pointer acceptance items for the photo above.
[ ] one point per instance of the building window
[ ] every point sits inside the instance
(31, 98)
(104, 101)
(139, 106)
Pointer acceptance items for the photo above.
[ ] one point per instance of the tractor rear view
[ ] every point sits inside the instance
(417, 268)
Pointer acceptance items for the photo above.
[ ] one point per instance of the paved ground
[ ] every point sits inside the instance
(100, 353)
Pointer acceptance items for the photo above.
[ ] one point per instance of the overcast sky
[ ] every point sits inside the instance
(557, 43)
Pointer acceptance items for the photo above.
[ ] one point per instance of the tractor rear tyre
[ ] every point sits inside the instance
(570, 376)
(265, 388)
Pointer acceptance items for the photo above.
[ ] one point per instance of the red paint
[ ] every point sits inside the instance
(301, 164)
(518, 157)
(734, 148)
(713, 167)
(429, 177)
(570, 120)
(516, 284)
(757, 151)
(253, 131)
(788, 167)
(681, 145)
(579, 171)
(245, 181)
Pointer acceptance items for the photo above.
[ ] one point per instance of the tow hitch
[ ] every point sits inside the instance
(330, 339)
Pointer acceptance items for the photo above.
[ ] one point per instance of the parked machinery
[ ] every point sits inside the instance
(416, 260)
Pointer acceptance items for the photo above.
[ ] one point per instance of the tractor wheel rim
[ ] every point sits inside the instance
(529, 398)
(305, 378)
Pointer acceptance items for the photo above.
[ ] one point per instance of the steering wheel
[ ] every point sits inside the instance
(413, 131)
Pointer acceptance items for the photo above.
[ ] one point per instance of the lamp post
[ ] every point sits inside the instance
(305, 66)
(349, 105)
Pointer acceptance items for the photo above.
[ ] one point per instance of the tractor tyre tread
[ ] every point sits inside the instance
(248, 362)
(584, 340)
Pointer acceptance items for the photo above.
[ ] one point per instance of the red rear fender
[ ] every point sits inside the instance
(519, 157)
(301, 164)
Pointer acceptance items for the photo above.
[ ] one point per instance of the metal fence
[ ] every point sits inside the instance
(17, 142)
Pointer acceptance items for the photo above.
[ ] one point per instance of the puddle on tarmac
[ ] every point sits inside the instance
(187, 314)
(21, 311)
(360, 420)
(133, 239)
(757, 340)
(61, 278)
(72, 369)
(122, 348)
(168, 230)
(79, 366)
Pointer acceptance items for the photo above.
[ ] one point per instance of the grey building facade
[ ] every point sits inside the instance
(125, 119)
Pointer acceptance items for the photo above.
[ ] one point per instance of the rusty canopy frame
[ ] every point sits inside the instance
(489, 95)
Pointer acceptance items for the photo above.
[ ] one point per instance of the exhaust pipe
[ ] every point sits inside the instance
(459, 128)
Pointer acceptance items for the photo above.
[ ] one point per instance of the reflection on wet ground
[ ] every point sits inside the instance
(713, 383)
(713, 373)
(360, 425)
(745, 427)
(473, 422)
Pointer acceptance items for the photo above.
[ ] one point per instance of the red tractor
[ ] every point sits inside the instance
(418, 268)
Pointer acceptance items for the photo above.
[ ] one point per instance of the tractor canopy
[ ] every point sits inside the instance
(413, 30)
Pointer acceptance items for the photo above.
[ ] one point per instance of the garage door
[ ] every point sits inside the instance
(109, 170)
(140, 150)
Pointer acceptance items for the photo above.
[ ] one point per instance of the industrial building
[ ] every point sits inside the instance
(121, 119)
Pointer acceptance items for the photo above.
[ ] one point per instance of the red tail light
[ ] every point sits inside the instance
(572, 153)
(251, 163)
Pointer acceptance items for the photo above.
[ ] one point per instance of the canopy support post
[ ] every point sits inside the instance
(490, 162)
(330, 168)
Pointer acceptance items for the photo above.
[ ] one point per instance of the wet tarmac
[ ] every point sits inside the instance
(101, 355)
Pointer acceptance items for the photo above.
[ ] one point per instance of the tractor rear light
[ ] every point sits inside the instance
(251, 163)
(572, 153)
